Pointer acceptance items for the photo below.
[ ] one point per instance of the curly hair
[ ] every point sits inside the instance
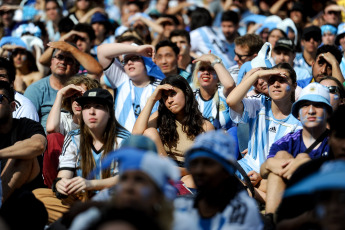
(78, 80)
(192, 123)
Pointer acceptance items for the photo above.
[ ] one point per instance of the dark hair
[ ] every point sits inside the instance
(200, 17)
(8, 90)
(139, 4)
(284, 34)
(290, 70)
(182, 33)
(172, 17)
(253, 41)
(332, 49)
(337, 122)
(230, 16)
(86, 28)
(168, 43)
(65, 25)
(31, 62)
(9, 67)
(130, 38)
(193, 121)
(340, 86)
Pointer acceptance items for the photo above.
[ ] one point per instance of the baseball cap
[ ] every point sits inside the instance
(312, 32)
(99, 95)
(216, 145)
(284, 43)
(329, 177)
(314, 92)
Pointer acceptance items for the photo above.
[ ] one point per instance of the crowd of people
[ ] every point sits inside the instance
(172, 114)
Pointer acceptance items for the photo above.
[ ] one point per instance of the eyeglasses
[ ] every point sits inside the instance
(333, 12)
(15, 52)
(2, 12)
(273, 79)
(315, 38)
(68, 60)
(2, 96)
(131, 58)
(333, 89)
(241, 56)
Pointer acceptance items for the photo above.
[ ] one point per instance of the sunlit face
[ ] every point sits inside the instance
(181, 43)
(261, 86)
(321, 68)
(310, 44)
(95, 115)
(274, 36)
(83, 4)
(132, 9)
(99, 29)
(296, 16)
(52, 11)
(207, 77)
(174, 100)
(63, 64)
(207, 173)
(312, 114)
(134, 67)
(166, 59)
(136, 189)
(242, 55)
(331, 16)
(280, 88)
(328, 38)
(20, 58)
(334, 92)
(283, 55)
(229, 30)
(83, 42)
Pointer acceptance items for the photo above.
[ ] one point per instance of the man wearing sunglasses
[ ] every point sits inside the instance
(22, 142)
(64, 64)
(311, 39)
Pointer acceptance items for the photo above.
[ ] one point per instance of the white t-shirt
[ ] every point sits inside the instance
(24, 108)
(66, 123)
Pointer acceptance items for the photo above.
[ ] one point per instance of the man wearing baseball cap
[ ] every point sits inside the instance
(284, 51)
(294, 149)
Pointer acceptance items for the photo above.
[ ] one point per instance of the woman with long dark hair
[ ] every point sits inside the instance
(176, 123)
(84, 149)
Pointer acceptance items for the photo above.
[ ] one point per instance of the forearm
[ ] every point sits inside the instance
(107, 52)
(26, 149)
(264, 171)
(88, 62)
(141, 123)
(336, 72)
(153, 25)
(276, 6)
(53, 121)
(103, 183)
(225, 78)
(46, 57)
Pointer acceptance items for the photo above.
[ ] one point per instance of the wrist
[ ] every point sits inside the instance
(216, 60)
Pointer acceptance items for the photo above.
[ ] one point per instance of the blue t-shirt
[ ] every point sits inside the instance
(293, 144)
(42, 95)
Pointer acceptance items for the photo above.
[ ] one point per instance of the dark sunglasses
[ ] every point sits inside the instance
(241, 56)
(131, 58)
(316, 38)
(76, 38)
(2, 12)
(15, 52)
(206, 68)
(68, 60)
(333, 89)
(2, 96)
(273, 79)
(333, 12)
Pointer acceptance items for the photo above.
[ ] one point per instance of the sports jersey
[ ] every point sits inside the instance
(234, 72)
(206, 39)
(264, 129)
(66, 123)
(130, 100)
(208, 108)
(24, 108)
(300, 62)
(107, 40)
(293, 144)
(342, 66)
(240, 213)
(70, 157)
(303, 76)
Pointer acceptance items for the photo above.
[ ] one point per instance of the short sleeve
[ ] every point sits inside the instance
(68, 157)
(115, 74)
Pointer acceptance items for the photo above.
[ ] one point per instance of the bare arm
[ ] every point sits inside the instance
(93, 68)
(336, 72)
(26, 149)
(223, 75)
(77, 184)
(143, 122)
(53, 121)
(107, 52)
(89, 14)
(276, 6)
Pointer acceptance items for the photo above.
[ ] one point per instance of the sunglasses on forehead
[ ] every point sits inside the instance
(2, 96)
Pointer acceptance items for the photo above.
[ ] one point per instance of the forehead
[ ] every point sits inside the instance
(241, 48)
(178, 38)
(165, 50)
(227, 23)
(328, 82)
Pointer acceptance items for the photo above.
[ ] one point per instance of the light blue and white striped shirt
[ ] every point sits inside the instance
(300, 62)
(129, 100)
(264, 129)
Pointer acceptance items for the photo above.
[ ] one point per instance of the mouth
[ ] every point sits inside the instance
(131, 69)
(92, 120)
(78, 108)
(311, 118)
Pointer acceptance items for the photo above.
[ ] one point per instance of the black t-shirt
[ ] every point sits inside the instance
(22, 129)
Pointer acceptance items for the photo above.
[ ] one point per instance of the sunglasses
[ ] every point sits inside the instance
(273, 79)
(333, 12)
(241, 56)
(2, 12)
(76, 38)
(2, 96)
(15, 52)
(131, 58)
(206, 68)
(316, 38)
(68, 60)
(333, 89)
